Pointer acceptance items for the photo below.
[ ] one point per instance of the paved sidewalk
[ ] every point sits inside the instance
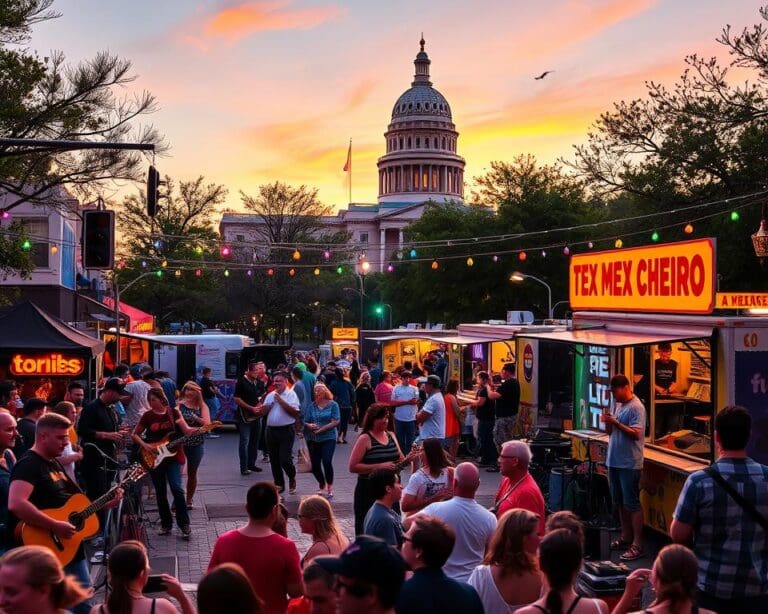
(219, 505)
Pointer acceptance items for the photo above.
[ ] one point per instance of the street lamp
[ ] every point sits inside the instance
(362, 271)
(518, 277)
(380, 309)
(116, 290)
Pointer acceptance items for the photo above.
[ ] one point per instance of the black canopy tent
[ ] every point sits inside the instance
(35, 346)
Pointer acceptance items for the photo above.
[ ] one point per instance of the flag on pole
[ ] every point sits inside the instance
(348, 163)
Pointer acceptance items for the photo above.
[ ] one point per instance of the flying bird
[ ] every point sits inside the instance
(542, 75)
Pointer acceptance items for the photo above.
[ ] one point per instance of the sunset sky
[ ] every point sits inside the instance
(252, 92)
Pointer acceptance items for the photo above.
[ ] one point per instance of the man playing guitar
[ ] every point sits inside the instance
(38, 482)
(248, 393)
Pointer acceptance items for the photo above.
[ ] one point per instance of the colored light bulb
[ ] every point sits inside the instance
(435, 265)
(735, 217)
(688, 229)
(619, 243)
(297, 254)
(317, 271)
(470, 261)
(522, 256)
(390, 268)
(655, 236)
(292, 272)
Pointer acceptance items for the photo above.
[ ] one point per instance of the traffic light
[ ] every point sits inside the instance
(98, 239)
(153, 183)
(379, 309)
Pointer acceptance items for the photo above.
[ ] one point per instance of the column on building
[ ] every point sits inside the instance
(382, 248)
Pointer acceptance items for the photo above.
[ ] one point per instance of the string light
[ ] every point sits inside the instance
(317, 271)
(27, 245)
(198, 272)
(566, 250)
(178, 273)
(198, 250)
(619, 243)
(327, 254)
(435, 265)
(470, 261)
(226, 272)
(413, 252)
(159, 273)
(249, 273)
(121, 264)
(522, 256)
(495, 258)
(399, 254)
(291, 272)
(158, 244)
(688, 229)
(54, 249)
(297, 254)
(390, 268)
(543, 253)
(590, 245)
(735, 216)
(5, 215)
(164, 264)
(270, 272)
(339, 269)
(655, 236)
(226, 251)
(143, 264)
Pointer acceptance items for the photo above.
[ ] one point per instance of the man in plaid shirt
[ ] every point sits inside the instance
(731, 546)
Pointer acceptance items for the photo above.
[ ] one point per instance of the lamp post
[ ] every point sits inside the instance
(116, 291)
(390, 314)
(362, 271)
(517, 277)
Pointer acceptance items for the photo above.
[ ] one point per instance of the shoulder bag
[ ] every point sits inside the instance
(746, 505)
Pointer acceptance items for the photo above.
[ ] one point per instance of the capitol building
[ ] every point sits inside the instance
(420, 164)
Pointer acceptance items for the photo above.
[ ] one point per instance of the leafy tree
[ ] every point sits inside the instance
(14, 259)
(702, 140)
(45, 98)
(182, 234)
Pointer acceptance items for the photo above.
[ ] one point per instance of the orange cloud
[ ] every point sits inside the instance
(236, 22)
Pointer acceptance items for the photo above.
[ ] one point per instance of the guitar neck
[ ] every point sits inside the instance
(100, 502)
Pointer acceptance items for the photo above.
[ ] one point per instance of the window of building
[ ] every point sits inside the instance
(418, 142)
(443, 142)
(240, 238)
(363, 237)
(37, 227)
(401, 142)
(409, 142)
(435, 142)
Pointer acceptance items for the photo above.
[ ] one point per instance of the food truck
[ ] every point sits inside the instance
(43, 355)
(343, 339)
(647, 312)
(399, 345)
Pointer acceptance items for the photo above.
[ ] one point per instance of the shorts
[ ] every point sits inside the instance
(194, 456)
(625, 488)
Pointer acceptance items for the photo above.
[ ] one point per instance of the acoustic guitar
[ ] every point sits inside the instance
(80, 512)
(165, 448)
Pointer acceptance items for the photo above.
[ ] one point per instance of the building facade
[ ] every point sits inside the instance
(420, 164)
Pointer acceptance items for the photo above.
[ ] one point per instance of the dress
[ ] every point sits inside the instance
(377, 453)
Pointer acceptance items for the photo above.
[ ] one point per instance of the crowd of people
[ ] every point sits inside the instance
(421, 545)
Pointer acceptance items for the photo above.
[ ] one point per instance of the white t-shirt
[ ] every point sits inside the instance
(139, 403)
(434, 426)
(421, 484)
(473, 524)
(405, 392)
(277, 415)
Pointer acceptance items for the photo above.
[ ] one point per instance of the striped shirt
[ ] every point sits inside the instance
(379, 453)
(731, 547)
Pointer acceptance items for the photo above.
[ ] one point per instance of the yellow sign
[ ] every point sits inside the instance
(48, 364)
(344, 333)
(742, 300)
(675, 277)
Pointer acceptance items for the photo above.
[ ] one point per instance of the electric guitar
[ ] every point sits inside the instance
(80, 512)
(248, 416)
(165, 448)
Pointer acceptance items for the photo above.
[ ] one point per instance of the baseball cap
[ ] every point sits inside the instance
(33, 404)
(369, 559)
(434, 380)
(114, 383)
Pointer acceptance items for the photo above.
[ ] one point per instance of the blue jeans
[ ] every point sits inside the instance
(169, 474)
(321, 453)
(247, 449)
(80, 570)
(488, 452)
(405, 431)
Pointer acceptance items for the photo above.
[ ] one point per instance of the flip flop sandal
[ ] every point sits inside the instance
(620, 544)
(633, 553)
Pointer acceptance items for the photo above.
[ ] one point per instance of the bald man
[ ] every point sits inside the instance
(473, 524)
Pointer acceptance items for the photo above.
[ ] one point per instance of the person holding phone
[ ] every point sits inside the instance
(129, 578)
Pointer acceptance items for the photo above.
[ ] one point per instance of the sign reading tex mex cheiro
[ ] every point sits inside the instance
(668, 278)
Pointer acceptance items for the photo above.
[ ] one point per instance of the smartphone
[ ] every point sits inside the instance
(154, 584)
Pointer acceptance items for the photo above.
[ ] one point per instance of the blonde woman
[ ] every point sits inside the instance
(316, 519)
(195, 411)
(509, 577)
(32, 581)
(321, 418)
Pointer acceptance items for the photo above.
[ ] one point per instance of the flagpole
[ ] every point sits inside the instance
(350, 171)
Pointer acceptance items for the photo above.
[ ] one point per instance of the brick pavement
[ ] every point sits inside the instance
(223, 489)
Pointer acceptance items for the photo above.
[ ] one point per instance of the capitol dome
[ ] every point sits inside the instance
(421, 161)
